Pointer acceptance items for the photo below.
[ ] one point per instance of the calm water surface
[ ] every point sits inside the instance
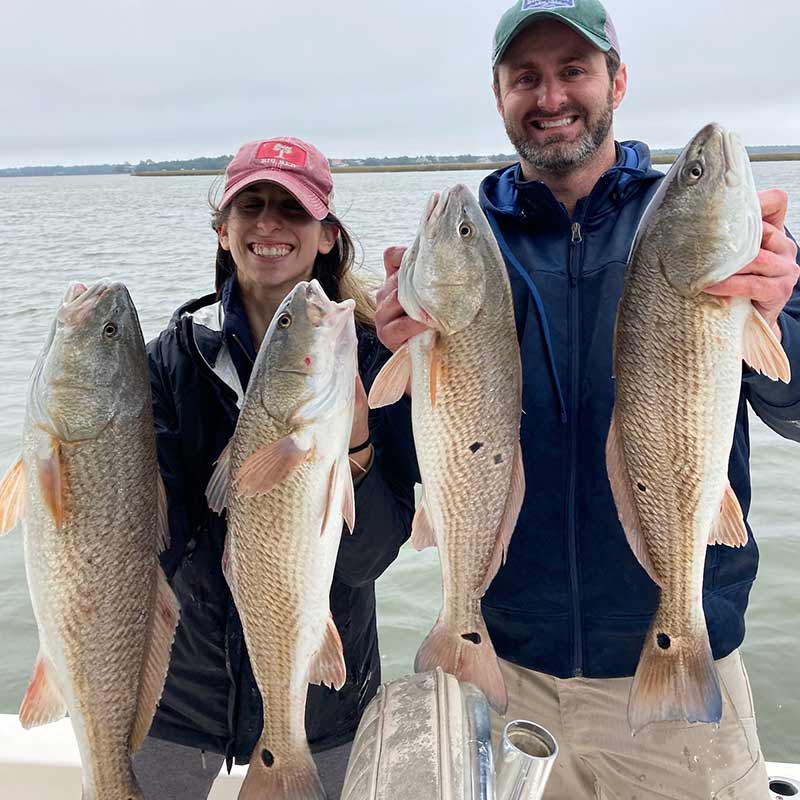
(154, 234)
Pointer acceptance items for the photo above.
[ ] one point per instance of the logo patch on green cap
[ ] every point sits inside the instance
(527, 5)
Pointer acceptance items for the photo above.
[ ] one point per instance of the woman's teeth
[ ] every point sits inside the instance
(271, 250)
(554, 123)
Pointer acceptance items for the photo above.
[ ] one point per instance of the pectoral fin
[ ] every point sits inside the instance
(340, 478)
(729, 528)
(327, 664)
(622, 489)
(53, 482)
(390, 383)
(762, 351)
(12, 497)
(269, 466)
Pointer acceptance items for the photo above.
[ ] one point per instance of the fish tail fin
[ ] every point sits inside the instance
(469, 655)
(277, 778)
(676, 680)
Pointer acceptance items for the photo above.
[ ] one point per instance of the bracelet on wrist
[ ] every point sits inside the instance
(359, 447)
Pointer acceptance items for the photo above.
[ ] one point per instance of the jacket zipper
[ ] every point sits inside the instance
(243, 349)
(574, 274)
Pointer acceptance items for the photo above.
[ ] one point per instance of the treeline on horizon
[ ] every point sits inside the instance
(220, 162)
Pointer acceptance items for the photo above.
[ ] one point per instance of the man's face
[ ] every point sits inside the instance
(556, 98)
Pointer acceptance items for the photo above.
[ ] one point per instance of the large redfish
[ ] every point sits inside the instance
(89, 491)
(678, 368)
(466, 387)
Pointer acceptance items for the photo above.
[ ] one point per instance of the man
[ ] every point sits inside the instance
(569, 610)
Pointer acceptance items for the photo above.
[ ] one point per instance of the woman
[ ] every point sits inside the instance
(275, 227)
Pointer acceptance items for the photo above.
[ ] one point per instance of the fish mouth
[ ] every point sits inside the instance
(322, 311)
(732, 154)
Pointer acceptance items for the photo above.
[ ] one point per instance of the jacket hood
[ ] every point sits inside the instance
(506, 192)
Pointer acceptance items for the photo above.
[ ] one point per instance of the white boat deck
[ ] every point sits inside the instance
(43, 764)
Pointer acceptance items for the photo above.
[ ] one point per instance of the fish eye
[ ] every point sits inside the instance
(110, 330)
(285, 320)
(465, 230)
(694, 171)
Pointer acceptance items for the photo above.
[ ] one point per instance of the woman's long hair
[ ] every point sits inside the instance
(334, 270)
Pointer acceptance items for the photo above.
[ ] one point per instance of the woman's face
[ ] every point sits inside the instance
(273, 239)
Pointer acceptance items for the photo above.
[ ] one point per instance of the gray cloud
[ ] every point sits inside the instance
(145, 79)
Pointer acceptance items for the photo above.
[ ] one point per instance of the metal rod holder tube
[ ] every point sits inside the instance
(526, 756)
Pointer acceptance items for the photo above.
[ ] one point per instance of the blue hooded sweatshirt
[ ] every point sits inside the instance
(571, 598)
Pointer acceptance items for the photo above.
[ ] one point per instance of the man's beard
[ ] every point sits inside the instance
(557, 156)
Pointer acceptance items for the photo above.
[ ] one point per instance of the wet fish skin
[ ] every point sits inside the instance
(286, 481)
(466, 387)
(90, 493)
(677, 364)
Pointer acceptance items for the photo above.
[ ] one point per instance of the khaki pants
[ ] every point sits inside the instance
(599, 759)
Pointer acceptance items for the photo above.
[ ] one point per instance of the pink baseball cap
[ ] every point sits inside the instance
(291, 163)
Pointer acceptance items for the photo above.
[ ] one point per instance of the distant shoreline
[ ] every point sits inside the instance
(657, 158)
(452, 167)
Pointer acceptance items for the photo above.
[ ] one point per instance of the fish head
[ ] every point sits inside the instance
(442, 281)
(93, 367)
(306, 367)
(705, 218)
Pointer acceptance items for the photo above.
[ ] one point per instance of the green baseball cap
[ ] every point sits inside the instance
(587, 17)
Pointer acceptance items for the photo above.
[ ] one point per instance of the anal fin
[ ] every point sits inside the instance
(729, 528)
(327, 664)
(43, 701)
(422, 532)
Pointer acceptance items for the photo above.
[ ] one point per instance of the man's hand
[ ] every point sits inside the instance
(770, 279)
(393, 326)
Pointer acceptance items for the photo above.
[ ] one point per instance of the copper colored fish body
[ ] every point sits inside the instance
(285, 479)
(678, 366)
(95, 519)
(466, 388)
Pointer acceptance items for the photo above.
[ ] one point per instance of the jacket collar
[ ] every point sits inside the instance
(507, 192)
(205, 320)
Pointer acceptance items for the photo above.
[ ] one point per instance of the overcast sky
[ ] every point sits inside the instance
(96, 81)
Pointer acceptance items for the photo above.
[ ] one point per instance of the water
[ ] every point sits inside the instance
(154, 234)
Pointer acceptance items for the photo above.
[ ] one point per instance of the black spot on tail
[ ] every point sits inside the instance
(663, 641)
(267, 758)
(475, 638)
(642, 487)
(475, 446)
(498, 459)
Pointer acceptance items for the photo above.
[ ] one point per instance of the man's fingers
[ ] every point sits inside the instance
(392, 256)
(776, 241)
(386, 290)
(774, 204)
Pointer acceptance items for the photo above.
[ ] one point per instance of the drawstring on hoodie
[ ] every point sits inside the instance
(514, 261)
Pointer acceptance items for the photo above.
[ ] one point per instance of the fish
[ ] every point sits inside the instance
(466, 383)
(88, 488)
(285, 481)
(678, 355)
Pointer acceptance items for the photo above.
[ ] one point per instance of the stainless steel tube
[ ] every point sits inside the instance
(526, 756)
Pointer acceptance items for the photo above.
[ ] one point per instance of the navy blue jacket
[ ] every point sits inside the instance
(200, 366)
(572, 599)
